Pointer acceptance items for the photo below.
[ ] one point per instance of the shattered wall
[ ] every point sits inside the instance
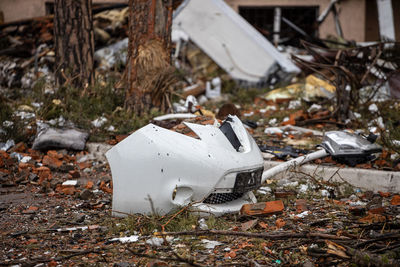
(354, 15)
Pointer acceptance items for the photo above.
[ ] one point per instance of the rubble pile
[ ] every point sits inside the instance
(59, 213)
(240, 109)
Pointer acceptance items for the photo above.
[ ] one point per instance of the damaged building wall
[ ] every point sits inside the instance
(22, 9)
(14, 10)
(363, 26)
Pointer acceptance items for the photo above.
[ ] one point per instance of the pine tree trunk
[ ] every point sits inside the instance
(148, 72)
(74, 43)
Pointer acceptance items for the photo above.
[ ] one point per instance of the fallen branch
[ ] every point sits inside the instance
(278, 236)
(382, 238)
(37, 261)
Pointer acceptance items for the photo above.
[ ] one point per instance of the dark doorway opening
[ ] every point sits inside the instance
(262, 18)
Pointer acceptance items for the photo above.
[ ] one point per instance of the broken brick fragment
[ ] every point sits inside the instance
(262, 208)
(395, 200)
(53, 163)
(384, 194)
(89, 185)
(19, 148)
(69, 190)
(34, 154)
(373, 218)
(376, 210)
(54, 154)
(23, 166)
(84, 165)
(279, 223)
(105, 188)
(44, 173)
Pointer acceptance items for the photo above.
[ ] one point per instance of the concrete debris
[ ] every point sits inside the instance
(7, 145)
(210, 244)
(126, 239)
(373, 108)
(70, 183)
(303, 214)
(314, 108)
(158, 241)
(60, 138)
(273, 130)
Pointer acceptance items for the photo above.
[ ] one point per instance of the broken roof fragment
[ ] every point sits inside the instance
(227, 38)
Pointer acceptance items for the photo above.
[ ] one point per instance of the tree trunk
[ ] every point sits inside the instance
(148, 72)
(74, 43)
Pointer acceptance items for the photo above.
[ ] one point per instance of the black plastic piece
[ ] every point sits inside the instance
(251, 124)
(247, 181)
(372, 137)
(227, 130)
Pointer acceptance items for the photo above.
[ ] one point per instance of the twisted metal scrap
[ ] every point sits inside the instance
(352, 69)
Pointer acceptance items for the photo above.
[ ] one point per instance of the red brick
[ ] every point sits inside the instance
(384, 194)
(44, 173)
(70, 190)
(395, 200)
(89, 185)
(20, 147)
(378, 210)
(52, 162)
(373, 218)
(84, 165)
(263, 208)
(280, 223)
(105, 188)
(54, 154)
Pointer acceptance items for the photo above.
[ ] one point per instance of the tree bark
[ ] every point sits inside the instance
(148, 73)
(74, 43)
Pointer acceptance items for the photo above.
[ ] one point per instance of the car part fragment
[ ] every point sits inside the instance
(343, 146)
(158, 170)
(350, 148)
